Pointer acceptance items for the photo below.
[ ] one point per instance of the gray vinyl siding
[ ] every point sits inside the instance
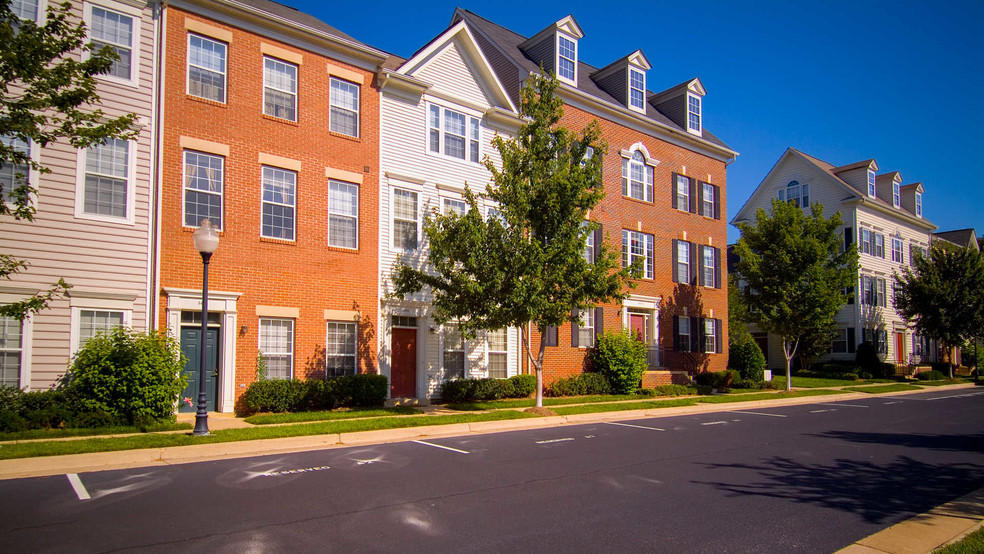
(544, 52)
(616, 84)
(501, 65)
(676, 109)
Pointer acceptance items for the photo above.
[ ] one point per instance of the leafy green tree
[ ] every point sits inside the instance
(737, 314)
(47, 94)
(793, 274)
(943, 295)
(524, 265)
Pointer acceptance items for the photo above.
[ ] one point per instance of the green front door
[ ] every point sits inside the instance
(191, 340)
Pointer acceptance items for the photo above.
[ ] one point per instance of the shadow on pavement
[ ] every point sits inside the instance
(950, 443)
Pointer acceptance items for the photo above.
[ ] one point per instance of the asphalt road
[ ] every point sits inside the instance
(810, 478)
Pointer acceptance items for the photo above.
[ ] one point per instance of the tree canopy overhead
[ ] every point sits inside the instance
(794, 274)
(47, 94)
(524, 265)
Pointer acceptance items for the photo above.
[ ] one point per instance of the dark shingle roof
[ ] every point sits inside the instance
(960, 237)
(509, 41)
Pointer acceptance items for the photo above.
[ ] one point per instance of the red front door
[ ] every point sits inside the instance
(403, 374)
(900, 357)
(637, 322)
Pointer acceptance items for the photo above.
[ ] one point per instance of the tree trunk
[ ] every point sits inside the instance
(537, 362)
(789, 361)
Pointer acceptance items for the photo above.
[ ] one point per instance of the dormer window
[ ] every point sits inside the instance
(637, 90)
(896, 194)
(918, 204)
(871, 183)
(566, 59)
(693, 113)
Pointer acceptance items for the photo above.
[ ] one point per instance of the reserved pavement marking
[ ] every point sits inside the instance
(714, 423)
(968, 395)
(293, 471)
(444, 447)
(565, 439)
(635, 426)
(77, 486)
(839, 404)
(759, 413)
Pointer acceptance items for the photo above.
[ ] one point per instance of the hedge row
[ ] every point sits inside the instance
(578, 385)
(478, 390)
(294, 395)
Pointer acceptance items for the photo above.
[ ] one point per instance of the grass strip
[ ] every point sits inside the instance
(957, 381)
(82, 446)
(724, 399)
(557, 401)
(883, 389)
(299, 417)
(90, 431)
(971, 544)
(824, 382)
(597, 408)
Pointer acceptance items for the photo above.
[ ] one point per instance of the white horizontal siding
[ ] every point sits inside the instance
(450, 75)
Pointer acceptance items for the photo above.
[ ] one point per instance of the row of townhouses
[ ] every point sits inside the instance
(318, 157)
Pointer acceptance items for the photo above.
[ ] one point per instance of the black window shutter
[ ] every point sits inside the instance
(676, 333)
(673, 189)
(575, 328)
(718, 346)
(550, 336)
(694, 198)
(598, 238)
(717, 202)
(599, 321)
(850, 297)
(848, 237)
(717, 268)
(693, 266)
(851, 346)
(699, 323)
(675, 262)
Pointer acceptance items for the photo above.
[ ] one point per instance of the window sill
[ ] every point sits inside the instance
(208, 101)
(269, 117)
(191, 230)
(344, 136)
(632, 199)
(272, 240)
(342, 249)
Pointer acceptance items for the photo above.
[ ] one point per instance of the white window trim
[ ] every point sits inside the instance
(713, 268)
(393, 218)
(33, 175)
(640, 109)
(703, 187)
(700, 117)
(645, 255)
(27, 331)
(130, 11)
(489, 352)
(464, 350)
(297, 79)
(676, 192)
(355, 356)
(358, 112)
(42, 12)
(896, 194)
(184, 187)
(469, 116)
(919, 206)
(358, 215)
(872, 184)
(262, 201)
(685, 246)
(557, 60)
(131, 189)
(649, 189)
(689, 334)
(293, 333)
(713, 334)
(225, 90)
(582, 315)
(446, 199)
(99, 305)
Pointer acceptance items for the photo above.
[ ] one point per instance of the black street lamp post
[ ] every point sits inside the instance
(206, 242)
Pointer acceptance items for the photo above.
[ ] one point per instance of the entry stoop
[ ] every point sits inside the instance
(393, 402)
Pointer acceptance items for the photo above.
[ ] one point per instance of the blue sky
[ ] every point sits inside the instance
(901, 82)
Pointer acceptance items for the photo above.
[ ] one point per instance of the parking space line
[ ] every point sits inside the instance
(967, 395)
(839, 404)
(820, 411)
(757, 413)
(715, 423)
(635, 426)
(890, 403)
(77, 486)
(444, 447)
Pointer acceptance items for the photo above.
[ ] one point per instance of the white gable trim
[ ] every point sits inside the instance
(696, 87)
(487, 78)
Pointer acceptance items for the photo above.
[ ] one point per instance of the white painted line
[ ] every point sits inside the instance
(759, 413)
(820, 411)
(293, 471)
(444, 447)
(635, 426)
(77, 485)
(838, 404)
(565, 439)
(715, 423)
(968, 395)
(890, 403)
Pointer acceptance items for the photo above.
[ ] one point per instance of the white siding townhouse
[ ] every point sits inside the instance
(885, 218)
(439, 112)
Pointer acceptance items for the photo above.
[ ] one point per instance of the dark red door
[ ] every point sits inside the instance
(403, 379)
(637, 322)
(900, 357)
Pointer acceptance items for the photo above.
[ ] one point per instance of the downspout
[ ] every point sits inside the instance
(157, 165)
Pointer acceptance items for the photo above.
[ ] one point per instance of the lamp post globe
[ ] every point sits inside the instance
(206, 241)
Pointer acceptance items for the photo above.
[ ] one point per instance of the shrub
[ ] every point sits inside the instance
(645, 392)
(596, 383)
(133, 377)
(523, 385)
(621, 359)
(365, 389)
(578, 385)
(491, 389)
(704, 389)
(276, 395)
(721, 380)
(747, 359)
(458, 390)
(321, 394)
(933, 375)
(674, 390)
(570, 386)
(867, 358)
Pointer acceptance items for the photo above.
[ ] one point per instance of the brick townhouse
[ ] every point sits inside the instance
(665, 182)
(270, 131)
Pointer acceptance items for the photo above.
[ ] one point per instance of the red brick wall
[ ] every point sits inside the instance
(665, 223)
(305, 274)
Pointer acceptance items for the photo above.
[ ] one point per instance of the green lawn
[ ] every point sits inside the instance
(558, 401)
(971, 544)
(299, 417)
(817, 382)
(726, 398)
(957, 381)
(883, 388)
(34, 434)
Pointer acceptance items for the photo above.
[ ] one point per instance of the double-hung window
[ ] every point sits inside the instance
(25, 9)
(279, 186)
(203, 183)
(277, 347)
(454, 352)
(897, 255)
(589, 245)
(839, 344)
(498, 352)
(97, 322)
(865, 241)
(110, 29)
(638, 246)
(707, 207)
(871, 183)
(709, 270)
(637, 89)
(107, 179)
(918, 204)
(405, 219)
(566, 58)
(637, 178)
(11, 351)
(207, 68)
(454, 206)
(344, 100)
(13, 175)
(873, 291)
(683, 334)
(683, 193)
(710, 336)
(795, 193)
(693, 113)
(682, 269)
(340, 341)
(453, 134)
(343, 214)
(879, 246)
(586, 328)
(279, 89)
(896, 194)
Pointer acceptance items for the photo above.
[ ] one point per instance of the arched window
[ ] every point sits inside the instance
(637, 177)
(795, 193)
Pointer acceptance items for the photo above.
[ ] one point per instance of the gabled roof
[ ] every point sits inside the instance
(917, 186)
(693, 85)
(508, 43)
(870, 164)
(960, 237)
(635, 58)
